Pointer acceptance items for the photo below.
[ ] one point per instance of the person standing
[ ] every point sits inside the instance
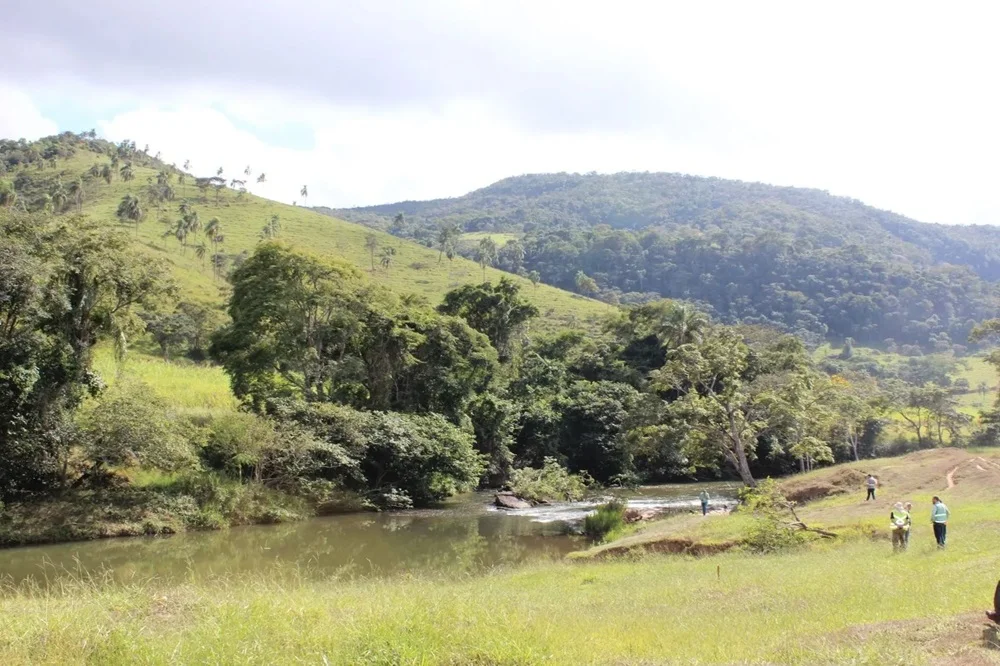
(704, 497)
(908, 507)
(872, 483)
(939, 518)
(899, 524)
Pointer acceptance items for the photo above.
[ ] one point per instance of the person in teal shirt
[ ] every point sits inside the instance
(703, 496)
(939, 518)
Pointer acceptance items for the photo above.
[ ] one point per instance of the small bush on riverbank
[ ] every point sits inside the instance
(769, 532)
(606, 521)
(551, 482)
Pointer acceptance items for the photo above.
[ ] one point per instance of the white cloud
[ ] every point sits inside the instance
(20, 118)
(891, 103)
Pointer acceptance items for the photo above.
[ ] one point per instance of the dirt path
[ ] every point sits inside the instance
(951, 476)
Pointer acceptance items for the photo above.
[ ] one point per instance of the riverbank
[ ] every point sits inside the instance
(832, 499)
(849, 603)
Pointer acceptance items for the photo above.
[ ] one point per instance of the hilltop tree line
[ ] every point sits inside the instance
(801, 260)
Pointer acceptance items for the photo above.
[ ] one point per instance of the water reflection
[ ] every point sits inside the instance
(466, 535)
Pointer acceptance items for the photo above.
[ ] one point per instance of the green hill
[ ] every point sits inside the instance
(801, 259)
(414, 269)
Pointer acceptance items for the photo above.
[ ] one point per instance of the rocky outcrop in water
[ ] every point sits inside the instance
(506, 500)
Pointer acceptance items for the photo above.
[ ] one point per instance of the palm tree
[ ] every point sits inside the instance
(371, 244)
(219, 172)
(95, 170)
(487, 254)
(115, 160)
(162, 177)
(192, 223)
(130, 211)
(200, 251)
(272, 228)
(446, 239)
(304, 193)
(107, 173)
(187, 165)
(8, 196)
(247, 171)
(76, 190)
(179, 231)
(218, 191)
(682, 325)
(214, 232)
(127, 173)
(59, 197)
(262, 178)
(387, 254)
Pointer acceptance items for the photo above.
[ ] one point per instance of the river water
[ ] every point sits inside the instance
(464, 535)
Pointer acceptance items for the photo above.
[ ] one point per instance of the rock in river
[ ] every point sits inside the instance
(511, 501)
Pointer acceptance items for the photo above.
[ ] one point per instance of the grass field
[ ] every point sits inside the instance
(473, 237)
(849, 601)
(414, 269)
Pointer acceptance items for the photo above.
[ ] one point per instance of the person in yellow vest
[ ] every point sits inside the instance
(899, 524)
(939, 519)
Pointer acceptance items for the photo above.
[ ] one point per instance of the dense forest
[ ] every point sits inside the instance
(800, 260)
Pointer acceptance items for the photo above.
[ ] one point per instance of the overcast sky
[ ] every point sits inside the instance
(896, 104)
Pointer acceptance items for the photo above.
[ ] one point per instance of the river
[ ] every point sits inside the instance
(464, 535)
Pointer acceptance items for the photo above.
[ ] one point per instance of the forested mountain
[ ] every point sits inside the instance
(801, 259)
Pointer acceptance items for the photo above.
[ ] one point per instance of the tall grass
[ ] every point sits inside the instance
(822, 605)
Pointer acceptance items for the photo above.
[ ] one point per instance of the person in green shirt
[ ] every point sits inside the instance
(704, 497)
(939, 519)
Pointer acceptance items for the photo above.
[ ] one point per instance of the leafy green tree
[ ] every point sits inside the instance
(511, 256)
(487, 254)
(8, 196)
(499, 311)
(493, 420)
(586, 285)
(107, 173)
(535, 278)
(272, 228)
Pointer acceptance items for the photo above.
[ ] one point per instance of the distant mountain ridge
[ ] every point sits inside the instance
(801, 259)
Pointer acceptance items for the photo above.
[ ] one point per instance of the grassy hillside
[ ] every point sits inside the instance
(414, 269)
(850, 601)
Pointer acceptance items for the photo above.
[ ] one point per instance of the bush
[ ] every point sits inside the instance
(131, 425)
(608, 518)
(551, 482)
(767, 532)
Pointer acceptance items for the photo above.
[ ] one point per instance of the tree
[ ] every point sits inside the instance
(848, 351)
(498, 311)
(200, 251)
(127, 173)
(218, 172)
(447, 236)
(272, 228)
(304, 193)
(76, 190)
(586, 285)
(726, 396)
(8, 195)
(187, 165)
(59, 196)
(487, 254)
(262, 178)
(371, 244)
(511, 256)
(216, 237)
(535, 278)
(681, 325)
(247, 172)
(398, 225)
(130, 211)
(388, 253)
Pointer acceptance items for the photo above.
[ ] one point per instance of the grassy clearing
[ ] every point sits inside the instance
(501, 239)
(415, 269)
(193, 389)
(852, 604)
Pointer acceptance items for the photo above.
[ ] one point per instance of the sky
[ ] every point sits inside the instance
(892, 103)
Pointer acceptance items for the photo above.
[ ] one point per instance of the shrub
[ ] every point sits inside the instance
(551, 482)
(767, 532)
(608, 518)
(131, 425)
